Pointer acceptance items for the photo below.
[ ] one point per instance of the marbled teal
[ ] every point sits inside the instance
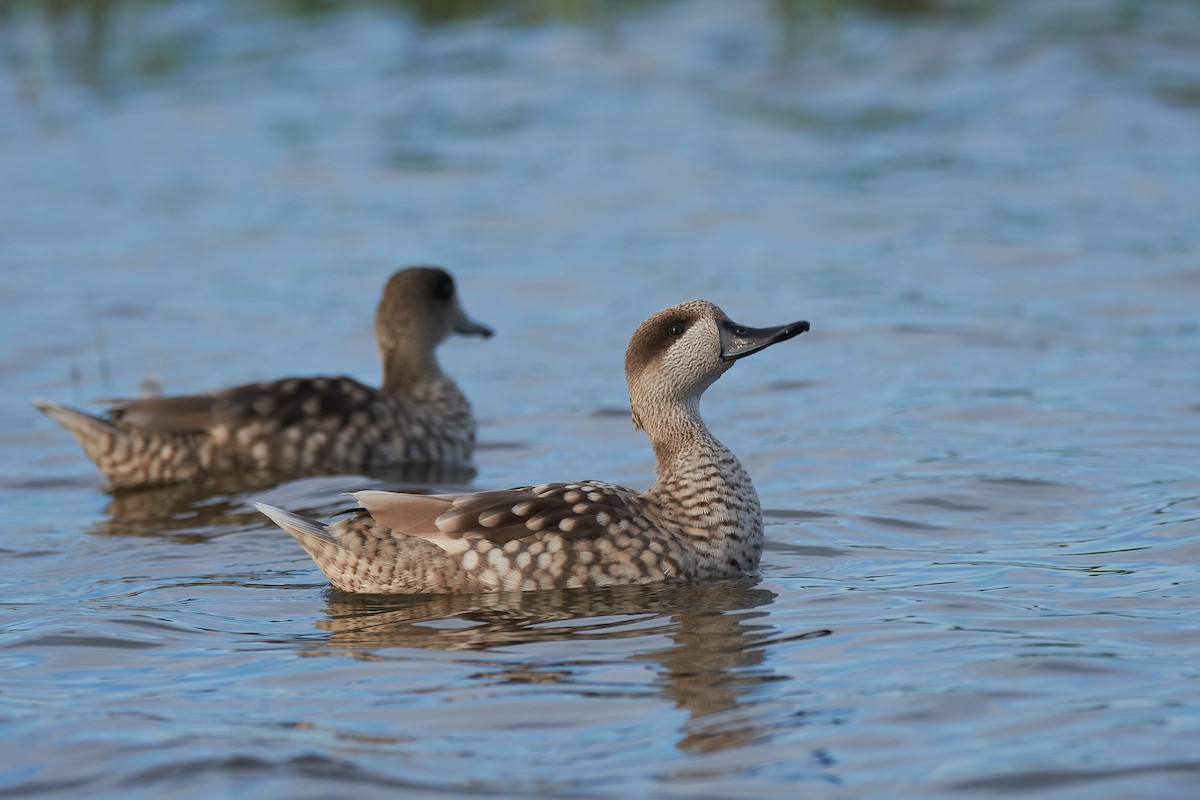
(700, 520)
(301, 425)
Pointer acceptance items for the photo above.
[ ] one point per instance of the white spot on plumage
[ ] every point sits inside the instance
(493, 519)
(498, 562)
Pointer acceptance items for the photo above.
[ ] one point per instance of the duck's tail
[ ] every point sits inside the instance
(80, 423)
(127, 456)
(308, 532)
(98, 437)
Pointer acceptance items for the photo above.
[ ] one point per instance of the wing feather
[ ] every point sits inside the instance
(414, 514)
(280, 404)
(190, 413)
(573, 511)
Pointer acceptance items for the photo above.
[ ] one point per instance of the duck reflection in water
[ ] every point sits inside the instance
(715, 639)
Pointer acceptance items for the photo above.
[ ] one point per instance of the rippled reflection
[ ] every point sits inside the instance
(718, 635)
(197, 510)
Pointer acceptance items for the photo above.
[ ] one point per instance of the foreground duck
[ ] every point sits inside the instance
(299, 425)
(700, 520)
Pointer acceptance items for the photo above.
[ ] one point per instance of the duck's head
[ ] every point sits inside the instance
(677, 353)
(420, 309)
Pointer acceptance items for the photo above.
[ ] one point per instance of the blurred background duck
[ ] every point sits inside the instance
(301, 425)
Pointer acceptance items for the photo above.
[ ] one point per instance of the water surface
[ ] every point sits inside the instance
(980, 468)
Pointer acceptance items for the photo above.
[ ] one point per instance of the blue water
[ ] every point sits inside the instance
(980, 470)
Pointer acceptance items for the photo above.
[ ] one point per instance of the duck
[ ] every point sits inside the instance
(296, 426)
(701, 520)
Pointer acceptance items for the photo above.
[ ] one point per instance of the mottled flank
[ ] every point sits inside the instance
(302, 425)
(700, 520)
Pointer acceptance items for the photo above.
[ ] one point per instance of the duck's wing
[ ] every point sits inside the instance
(278, 404)
(191, 413)
(292, 401)
(574, 511)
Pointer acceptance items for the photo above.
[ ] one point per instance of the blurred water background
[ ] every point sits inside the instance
(980, 470)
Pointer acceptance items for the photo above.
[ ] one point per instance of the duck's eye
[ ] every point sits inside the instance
(443, 289)
(676, 329)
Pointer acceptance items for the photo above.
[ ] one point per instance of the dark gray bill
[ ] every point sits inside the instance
(469, 327)
(738, 340)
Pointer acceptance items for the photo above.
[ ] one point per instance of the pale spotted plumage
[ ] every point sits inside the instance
(301, 425)
(700, 520)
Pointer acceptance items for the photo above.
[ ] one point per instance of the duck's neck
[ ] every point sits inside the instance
(420, 386)
(678, 434)
(409, 374)
(701, 488)
(687, 454)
